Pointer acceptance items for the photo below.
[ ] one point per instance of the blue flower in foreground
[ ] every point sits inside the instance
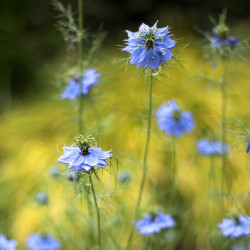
(6, 244)
(235, 227)
(42, 242)
(248, 147)
(149, 47)
(207, 147)
(81, 85)
(173, 121)
(84, 155)
(154, 224)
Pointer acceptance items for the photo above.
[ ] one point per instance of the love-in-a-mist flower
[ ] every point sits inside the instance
(42, 242)
(220, 38)
(84, 155)
(235, 227)
(42, 198)
(207, 147)
(152, 224)
(173, 121)
(149, 47)
(81, 85)
(6, 244)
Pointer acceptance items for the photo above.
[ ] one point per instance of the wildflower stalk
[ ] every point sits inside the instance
(223, 124)
(174, 162)
(144, 174)
(97, 212)
(80, 57)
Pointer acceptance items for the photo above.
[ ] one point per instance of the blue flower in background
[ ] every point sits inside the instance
(42, 198)
(173, 121)
(248, 147)
(73, 176)
(149, 47)
(81, 85)
(6, 244)
(42, 242)
(207, 147)
(154, 224)
(84, 155)
(235, 227)
(220, 39)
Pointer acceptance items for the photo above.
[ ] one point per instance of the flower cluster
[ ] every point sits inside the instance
(6, 244)
(81, 85)
(41, 242)
(235, 227)
(173, 121)
(149, 47)
(207, 147)
(84, 155)
(151, 224)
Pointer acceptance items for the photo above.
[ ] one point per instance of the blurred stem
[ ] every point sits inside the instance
(80, 26)
(80, 115)
(174, 161)
(144, 174)
(211, 174)
(97, 212)
(223, 124)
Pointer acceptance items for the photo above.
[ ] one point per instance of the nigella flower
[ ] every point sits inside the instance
(235, 227)
(153, 224)
(149, 47)
(42, 242)
(248, 147)
(207, 147)
(6, 244)
(81, 85)
(42, 198)
(173, 121)
(220, 39)
(84, 155)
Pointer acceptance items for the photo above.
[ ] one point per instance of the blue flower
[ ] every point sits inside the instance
(149, 47)
(207, 147)
(173, 121)
(124, 177)
(154, 224)
(6, 244)
(42, 242)
(248, 147)
(84, 156)
(219, 40)
(235, 227)
(73, 176)
(82, 85)
(42, 198)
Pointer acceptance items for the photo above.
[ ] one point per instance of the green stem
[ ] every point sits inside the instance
(97, 212)
(80, 115)
(137, 209)
(223, 125)
(80, 27)
(174, 161)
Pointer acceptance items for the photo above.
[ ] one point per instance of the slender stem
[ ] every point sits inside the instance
(97, 212)
(223, 125)
(174, 161)
(144, 174)
(80, 115)
(80, 27)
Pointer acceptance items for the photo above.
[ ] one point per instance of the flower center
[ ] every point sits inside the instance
(222, 31)
(85, 143)
(236, 220)
(176, 115)
(149, 40)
